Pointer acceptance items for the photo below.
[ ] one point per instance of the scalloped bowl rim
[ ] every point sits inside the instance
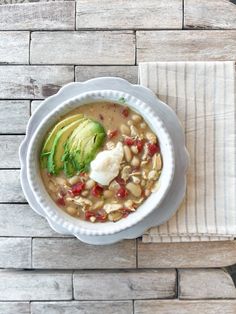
(75, 225)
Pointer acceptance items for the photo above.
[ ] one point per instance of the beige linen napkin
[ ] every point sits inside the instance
(202, 95)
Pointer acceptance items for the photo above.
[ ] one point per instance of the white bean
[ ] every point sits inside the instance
(134, 149)
(89, 184)
(130, 122)
(135, 162)
(127, 152)
(143, 125)
(134, 189)
(107, 194)
(60, 181)
(136, 118)
(85, 193)
(147, 193)
(152, 175)
(151, 137)
(71, 210)
(125, 129)
(98, 205)
(73, 180)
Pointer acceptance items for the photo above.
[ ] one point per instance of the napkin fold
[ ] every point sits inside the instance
(202, 95)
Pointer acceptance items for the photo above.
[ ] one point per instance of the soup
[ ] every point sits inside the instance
(100, 162)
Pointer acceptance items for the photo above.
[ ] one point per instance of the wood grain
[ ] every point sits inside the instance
(116, 47)
(14, 47)
(40, 16)
(218, 14)
(83, 307)
(35, 285)
(129, 73)
(9, 146)
(33, 82)
(186, 255)
(76, 255)
(132, 14)
(15, 253)
(125, 285)
(186, 45)
(16, 111)
(14, 307)
(184, 307)
(10, 188)
(205, 284)
(19, 220)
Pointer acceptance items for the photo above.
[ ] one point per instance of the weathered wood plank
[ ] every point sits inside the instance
(82, 307)
(34, 105)
(40, 16)
(157, 284)
(10, 188)
(35, 285)
(33, 82)
(76, 255)
(9, 146)
(186, 45)
(133, 14)
(17, 112)
(14, 47)
(14, 307)
(129, 73)
(117, 47)
(15, 252)
(218, 14)
(184, 307)
(186, 255)
(19, 220)
(205, 284)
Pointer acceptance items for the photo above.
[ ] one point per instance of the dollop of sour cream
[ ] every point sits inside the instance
(105, 167)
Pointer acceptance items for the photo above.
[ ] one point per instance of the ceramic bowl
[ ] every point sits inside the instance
(75, 225)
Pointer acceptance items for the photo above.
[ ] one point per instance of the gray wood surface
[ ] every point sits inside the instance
(160, 284)
(16, 111)
(14, 307)
(15, 253)
(10, 188)
(9, 146)
(80, 47)
(186, 45)
(35, 285)
(19, 220)
(186, 255)
(83, 307)
(14, 47)
(76, 255)
(132, 14)
(184, 307)
(33, 82)
(129, 73)
(38, 16)
(205, 284)
(217, 14)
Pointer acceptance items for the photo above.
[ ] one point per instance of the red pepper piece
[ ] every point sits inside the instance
(112, 134)
(61, 201)
(77, 188)
(101, 217)
(125, 112)
(129, 141)
(97, 190)
(89, 214)
(153, 149)
(122, 192)
(139, 144)
(120, 181)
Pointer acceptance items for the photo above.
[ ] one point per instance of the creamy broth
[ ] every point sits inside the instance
(139, 168)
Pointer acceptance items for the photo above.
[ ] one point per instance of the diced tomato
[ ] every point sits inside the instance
(77, 188)
(125, 112)
(88, 214)
(129, 141)
(101, 217)
(126, 214)
(97, 190)
(61, 201)
(139, 144)
(112, 134)
(120, 181)
(122, 192)
(153, 149)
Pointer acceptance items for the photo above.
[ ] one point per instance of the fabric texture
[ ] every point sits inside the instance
(202, 95)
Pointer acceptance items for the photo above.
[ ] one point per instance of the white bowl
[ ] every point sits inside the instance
(75, 225)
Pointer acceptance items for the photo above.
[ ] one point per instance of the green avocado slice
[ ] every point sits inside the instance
(47, 146)
(55, 162)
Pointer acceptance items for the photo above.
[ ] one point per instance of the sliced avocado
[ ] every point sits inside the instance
(55, 162)
(47, 147)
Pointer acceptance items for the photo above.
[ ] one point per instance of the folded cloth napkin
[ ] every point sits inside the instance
(202, 95)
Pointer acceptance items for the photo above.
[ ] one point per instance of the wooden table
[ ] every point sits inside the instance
(44, 45)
